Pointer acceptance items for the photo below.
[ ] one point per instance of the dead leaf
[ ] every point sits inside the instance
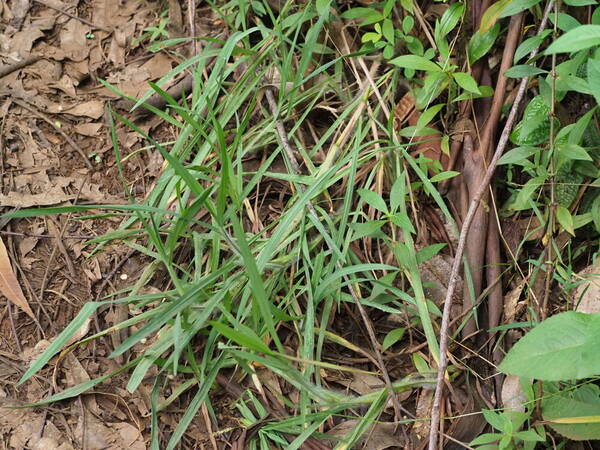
(511, 301)
(378, 436)
(19, 10)
(52, 193)
(421, 427)
(88, 129)
(587, 294)
(93, 109)
(9, 285)
(109, 436)
(53, 196)
(513, 397)
(21, 42)
(27, 244)
(73, 40)
(362, 383)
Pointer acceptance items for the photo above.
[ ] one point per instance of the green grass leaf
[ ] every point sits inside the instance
(416, 63)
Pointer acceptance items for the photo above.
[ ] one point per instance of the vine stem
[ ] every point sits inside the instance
(489, 173)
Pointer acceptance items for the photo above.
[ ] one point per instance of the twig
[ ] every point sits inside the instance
(10, 68)
(73, 16)
(311, 209)
(192, 23)
(13, 328)
(435, 409)
(57, 245)
(475, 162)
(47, 236)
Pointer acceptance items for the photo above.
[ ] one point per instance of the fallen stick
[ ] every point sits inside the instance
(10, 68)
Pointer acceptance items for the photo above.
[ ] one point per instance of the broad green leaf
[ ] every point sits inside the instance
(420, 364)
(580, 2)
(534, 127)
(416, 63)
(491, 15)
(571, 83)
(486, 438)
(563, 347)
(565, 219)
(580, 38)
(392, 337)
(407, 5)
(485, 91)
(528, 45)
(415, 131)
(481, 43)
(449, 19)
(396, 194)
(435, 83)
(373, 199)
(387, 30)
(496, 420)
(444, 176)
(595, 210)
(466, 81)
(578, 129)
(528, 435)
(366, 229)
(426, 253)
(593, 78)
(368, 15)
(517, 6)
(322, 6)
(565, 22)
(523, 71)
(573, 152)
(518, 154)
(400, 219)
(407, 24)
(428, 115)
(573, 412)
(387, 8)
(525, 196)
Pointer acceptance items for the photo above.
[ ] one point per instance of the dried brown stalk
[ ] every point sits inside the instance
(474, 205)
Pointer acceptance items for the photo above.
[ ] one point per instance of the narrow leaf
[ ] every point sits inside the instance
(416, 63)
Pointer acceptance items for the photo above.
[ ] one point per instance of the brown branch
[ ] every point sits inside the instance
(73, 16)
(435, 410)
(192, 26)
(474, 167)
(10, 68)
